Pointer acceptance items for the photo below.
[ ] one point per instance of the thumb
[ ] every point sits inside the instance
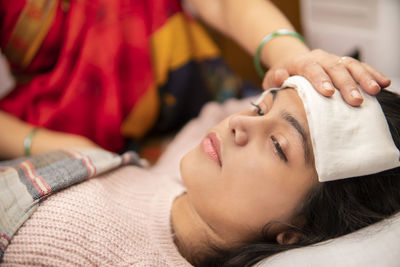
(280, 76)
(275, 78)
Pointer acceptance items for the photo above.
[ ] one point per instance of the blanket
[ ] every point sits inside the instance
(24, 183)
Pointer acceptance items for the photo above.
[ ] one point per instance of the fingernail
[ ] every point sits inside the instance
(356, 94)
(374, 85)
(328, 87)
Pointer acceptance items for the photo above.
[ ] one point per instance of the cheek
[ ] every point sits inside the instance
(255, 196)
(247, 174)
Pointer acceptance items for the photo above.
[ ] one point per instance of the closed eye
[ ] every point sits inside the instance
(276, 143)
(279, 149)
(258, 109)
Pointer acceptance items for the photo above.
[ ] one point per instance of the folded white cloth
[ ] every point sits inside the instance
(347, 141)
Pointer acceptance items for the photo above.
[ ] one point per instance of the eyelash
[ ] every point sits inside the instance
(278, 147)
(259, 110)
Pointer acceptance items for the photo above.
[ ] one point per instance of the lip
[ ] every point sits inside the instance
(212, 147)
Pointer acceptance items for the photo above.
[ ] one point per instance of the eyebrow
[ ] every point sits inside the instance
(300, 129)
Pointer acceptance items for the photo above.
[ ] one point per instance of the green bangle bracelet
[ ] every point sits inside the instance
(257, 62)
(28, 142)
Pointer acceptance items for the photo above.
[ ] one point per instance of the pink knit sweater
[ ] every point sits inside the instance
(121, 218)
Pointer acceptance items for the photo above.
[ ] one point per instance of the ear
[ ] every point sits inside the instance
(288, 238)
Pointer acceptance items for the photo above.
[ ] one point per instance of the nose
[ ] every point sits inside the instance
(241, 127)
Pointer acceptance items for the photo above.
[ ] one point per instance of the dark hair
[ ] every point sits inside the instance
(332, 209)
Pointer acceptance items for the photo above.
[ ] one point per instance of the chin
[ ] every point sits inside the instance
(186, 166)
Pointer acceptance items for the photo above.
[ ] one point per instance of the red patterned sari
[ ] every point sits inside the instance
(104, 69)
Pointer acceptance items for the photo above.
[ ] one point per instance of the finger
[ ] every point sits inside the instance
(280, 76)
(381, 79)
(318, 78)
(269, 80)
(343, 80)
(362, 76)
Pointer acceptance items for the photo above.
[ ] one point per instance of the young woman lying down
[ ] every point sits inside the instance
(292, 169)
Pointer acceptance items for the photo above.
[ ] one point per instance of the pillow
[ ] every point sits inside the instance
(375, 245)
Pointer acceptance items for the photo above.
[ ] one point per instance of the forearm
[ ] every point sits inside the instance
(247, 22)
(14, 132)
(12, 136)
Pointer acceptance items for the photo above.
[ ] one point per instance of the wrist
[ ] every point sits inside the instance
(291, 44)
(28, 141)
(282, 49)
(43, 141)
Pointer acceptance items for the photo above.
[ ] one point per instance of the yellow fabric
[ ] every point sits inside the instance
(178, 41)
(30, 30)
(173, 45)
(143, 115)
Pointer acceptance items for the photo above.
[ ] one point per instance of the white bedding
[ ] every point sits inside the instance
(375, 246)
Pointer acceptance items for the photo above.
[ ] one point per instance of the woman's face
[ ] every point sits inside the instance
(252, 168)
